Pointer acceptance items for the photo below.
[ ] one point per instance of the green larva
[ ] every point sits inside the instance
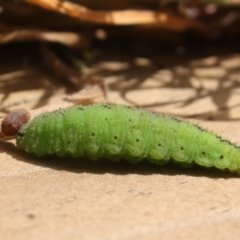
(120, 132)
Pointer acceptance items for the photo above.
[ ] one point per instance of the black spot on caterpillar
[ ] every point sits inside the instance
(118, 132)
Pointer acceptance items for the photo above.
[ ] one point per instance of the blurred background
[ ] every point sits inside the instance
(179, 57)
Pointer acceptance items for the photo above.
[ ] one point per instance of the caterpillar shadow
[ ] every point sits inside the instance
(78, 165)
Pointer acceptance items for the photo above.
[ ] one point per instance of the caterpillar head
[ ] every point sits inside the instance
(14, 121)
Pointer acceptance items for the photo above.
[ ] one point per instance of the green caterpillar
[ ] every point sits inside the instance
(116, 132)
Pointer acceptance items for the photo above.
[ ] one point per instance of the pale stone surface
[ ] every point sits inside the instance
(61, 199)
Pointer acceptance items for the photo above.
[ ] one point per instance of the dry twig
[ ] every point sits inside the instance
(125, 17)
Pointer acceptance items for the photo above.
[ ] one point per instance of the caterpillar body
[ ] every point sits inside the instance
(116, 132)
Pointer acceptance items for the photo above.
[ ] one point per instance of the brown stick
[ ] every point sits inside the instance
(66, 38)
(126, 17)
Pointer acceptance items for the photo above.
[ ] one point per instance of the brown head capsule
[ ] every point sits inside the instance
(13, 121)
